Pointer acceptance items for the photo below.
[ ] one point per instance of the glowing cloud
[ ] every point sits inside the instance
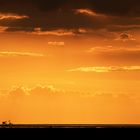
(54, 43)
(106, 69)
(10, 16)
(59, 32)
(14, 54)
(38, 89)
(112, 49)
(87, 12)
(3, 29)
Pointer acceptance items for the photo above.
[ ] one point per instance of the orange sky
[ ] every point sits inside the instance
(69, 71)
(89, 74)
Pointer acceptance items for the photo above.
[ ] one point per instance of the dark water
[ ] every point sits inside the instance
(68, 126)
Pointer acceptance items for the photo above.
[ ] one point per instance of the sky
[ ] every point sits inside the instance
(70, 61)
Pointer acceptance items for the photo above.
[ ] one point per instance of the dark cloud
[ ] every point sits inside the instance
(51, 15)
(125, 37)
(112, 7)
(117, 7)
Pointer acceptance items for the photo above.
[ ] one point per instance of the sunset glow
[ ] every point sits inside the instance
(70, 62)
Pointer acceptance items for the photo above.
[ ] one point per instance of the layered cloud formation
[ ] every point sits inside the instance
(69, 14)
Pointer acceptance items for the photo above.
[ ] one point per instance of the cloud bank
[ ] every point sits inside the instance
(69, 14)
(46, 104)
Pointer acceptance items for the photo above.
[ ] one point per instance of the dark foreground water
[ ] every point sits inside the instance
(68, 126)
